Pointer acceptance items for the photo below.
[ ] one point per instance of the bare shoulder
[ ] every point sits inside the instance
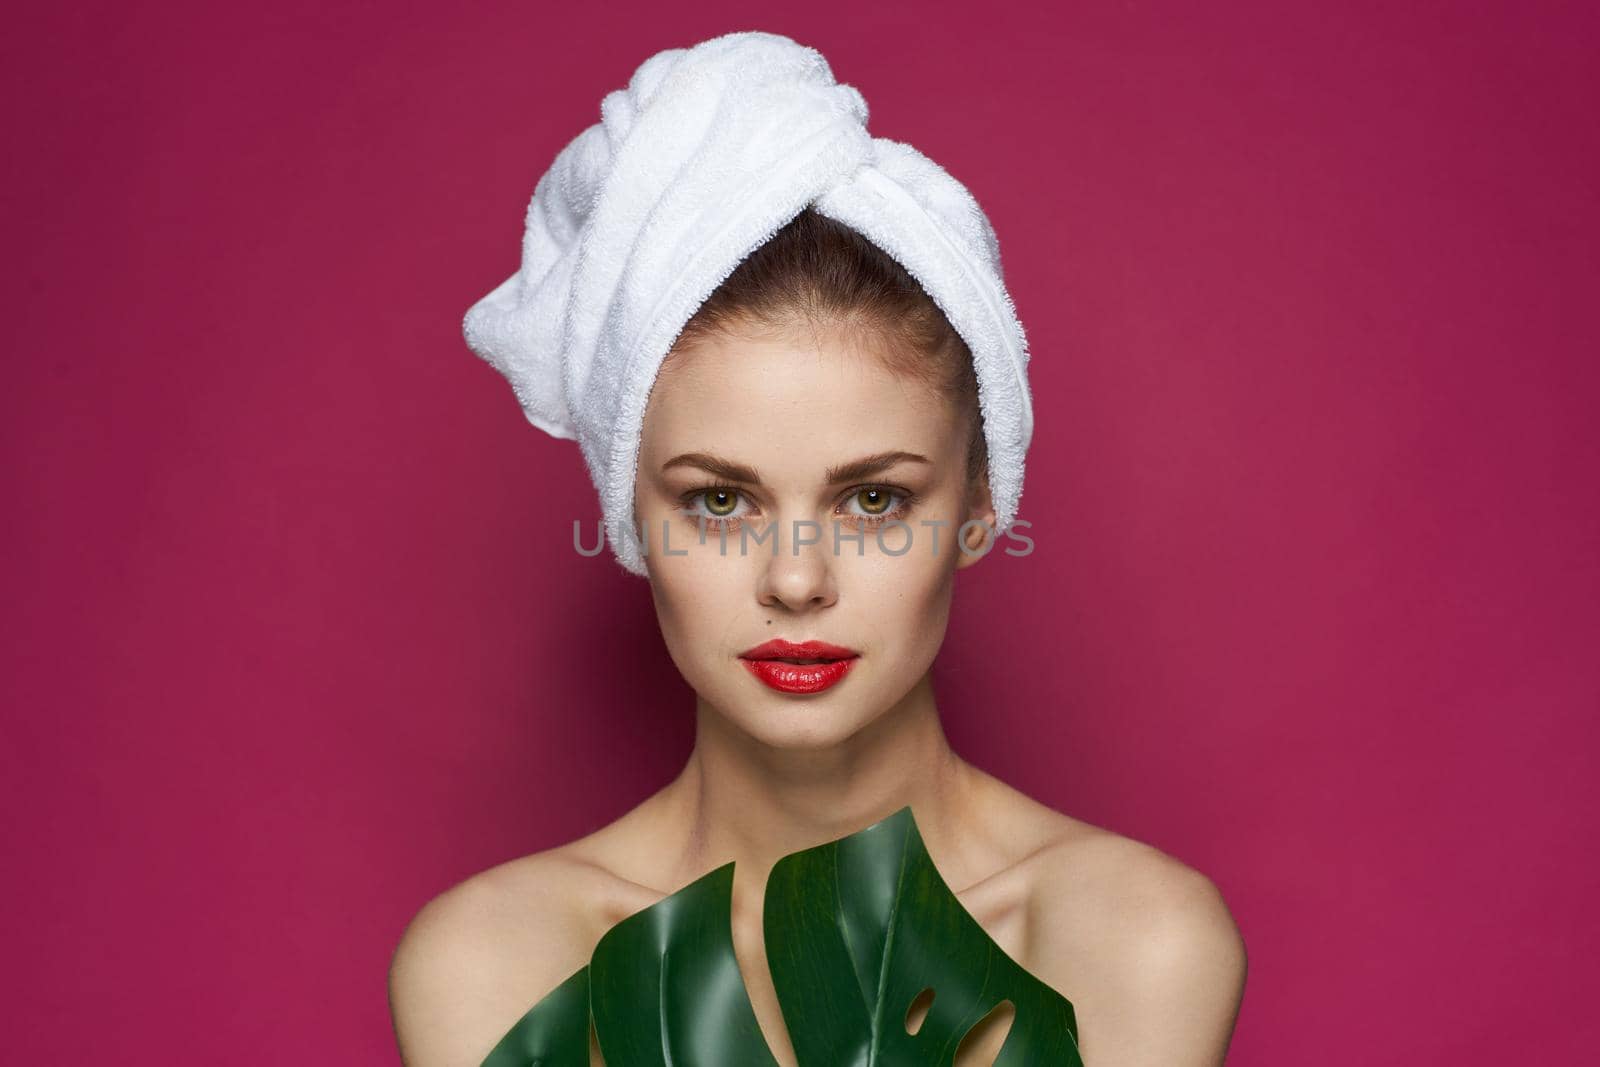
(1090, 878)
(475, 958)
(479, 955)
(1143, 945)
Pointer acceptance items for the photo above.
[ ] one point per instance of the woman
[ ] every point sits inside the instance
(813, 466)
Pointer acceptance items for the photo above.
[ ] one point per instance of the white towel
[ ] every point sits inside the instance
(707, 153)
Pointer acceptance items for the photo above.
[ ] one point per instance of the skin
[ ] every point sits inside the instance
(1141, 944)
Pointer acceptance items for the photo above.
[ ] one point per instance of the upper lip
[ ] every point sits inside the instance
(778, 648)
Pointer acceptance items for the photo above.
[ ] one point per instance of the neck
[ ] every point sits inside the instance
(751, 803)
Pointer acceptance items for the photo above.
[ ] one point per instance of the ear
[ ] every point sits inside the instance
(973, 542)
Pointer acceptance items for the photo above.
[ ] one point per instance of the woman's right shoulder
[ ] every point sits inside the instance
(476, 957)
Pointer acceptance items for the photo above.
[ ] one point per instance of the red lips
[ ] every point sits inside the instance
(768, 662)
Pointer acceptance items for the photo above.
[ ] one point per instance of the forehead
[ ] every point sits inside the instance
(792, 402)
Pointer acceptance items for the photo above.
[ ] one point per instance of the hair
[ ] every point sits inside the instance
(819, 274)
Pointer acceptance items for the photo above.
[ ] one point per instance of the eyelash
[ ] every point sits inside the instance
(694, 496)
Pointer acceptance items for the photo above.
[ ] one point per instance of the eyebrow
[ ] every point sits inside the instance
(856, 469)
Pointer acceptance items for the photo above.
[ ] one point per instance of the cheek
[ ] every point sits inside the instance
(696, 604)
(904, 603)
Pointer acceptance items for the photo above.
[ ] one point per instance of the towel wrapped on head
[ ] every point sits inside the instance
(707, 153)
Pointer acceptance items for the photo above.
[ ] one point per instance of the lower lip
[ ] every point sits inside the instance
(800, 677)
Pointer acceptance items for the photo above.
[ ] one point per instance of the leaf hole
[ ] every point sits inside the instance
(918, 1011)
(982, 1044)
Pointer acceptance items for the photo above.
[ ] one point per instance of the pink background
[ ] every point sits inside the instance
(296, 639)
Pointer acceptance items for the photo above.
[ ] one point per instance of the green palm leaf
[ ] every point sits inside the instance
(665, 989)
(856, 930)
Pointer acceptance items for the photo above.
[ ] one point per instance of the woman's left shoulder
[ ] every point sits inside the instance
(1127, 888)
(1142, 943)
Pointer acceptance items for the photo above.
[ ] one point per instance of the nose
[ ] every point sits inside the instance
(799, 576)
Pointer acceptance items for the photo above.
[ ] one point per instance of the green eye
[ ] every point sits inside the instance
(720, 502)
(874, 501)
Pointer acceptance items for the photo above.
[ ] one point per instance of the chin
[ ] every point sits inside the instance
(814, 722)
(801, 728)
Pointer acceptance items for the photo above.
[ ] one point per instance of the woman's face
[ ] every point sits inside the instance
(750, 438)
